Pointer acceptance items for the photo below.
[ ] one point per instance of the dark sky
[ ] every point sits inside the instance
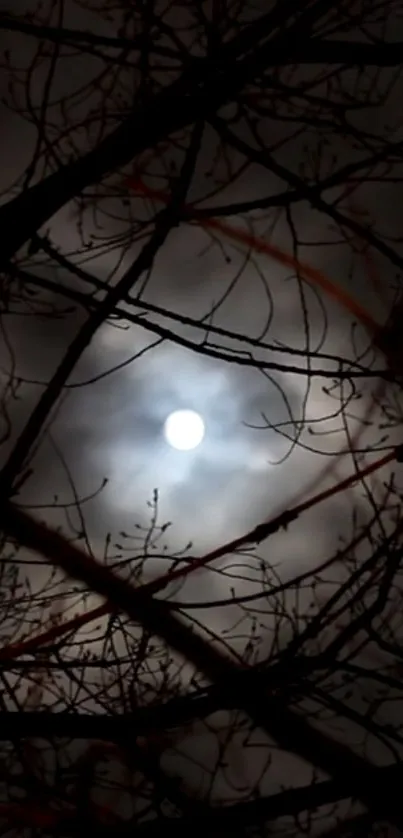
(113, 426)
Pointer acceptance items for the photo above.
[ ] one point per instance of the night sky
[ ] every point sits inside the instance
(252, 463)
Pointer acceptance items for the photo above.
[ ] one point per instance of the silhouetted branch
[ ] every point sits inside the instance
(313, 51)
(287, 728)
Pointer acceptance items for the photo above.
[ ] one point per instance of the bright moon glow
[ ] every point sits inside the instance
(184, 429)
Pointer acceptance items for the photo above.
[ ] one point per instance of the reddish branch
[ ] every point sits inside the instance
(30, 814)
(255, 536)
(203, 87)
(287, 728)
(260, 245)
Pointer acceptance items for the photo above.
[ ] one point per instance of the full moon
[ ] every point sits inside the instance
(184, 429)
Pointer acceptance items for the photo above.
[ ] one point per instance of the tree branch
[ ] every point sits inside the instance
(191, 98)
(308, 192)
(285, 726)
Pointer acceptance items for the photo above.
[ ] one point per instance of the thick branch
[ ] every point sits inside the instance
(76, 37)
(308, 51)
(163, 225)
(353, 370)
(192, 97)
(287, 728)
(286, 803)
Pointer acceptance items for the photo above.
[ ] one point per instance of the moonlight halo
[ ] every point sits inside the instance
(184, 429)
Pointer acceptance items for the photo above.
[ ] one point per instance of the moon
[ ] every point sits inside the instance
(184, 429)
